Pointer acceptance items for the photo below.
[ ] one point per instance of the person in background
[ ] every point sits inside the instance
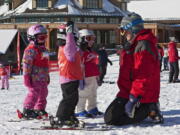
(4, 74)
(70, 72)
(161, 54)
(87, 105)
(165, 59)
(103, 61)
(139, 76)
(173, 61)
(36, 73)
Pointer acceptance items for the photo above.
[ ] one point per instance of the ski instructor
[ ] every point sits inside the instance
(139, 77)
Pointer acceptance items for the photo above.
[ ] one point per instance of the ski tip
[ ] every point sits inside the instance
(19, 114)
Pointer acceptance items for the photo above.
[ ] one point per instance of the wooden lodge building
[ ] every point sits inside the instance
(101, 16)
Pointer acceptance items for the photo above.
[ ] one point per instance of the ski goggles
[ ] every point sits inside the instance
(122, 31)
(90, 38)
(42, 37)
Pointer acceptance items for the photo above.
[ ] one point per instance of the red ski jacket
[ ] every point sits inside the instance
(141, 75)
(172, 52)
(90, 59)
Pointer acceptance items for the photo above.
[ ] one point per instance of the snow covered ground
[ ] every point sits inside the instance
(13, 99)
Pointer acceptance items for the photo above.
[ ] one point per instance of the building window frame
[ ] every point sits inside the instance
(101, 20)
(41, 3)
(112, 37)
(88, 20)
(114, 21)
(76, 19)
(92, 4)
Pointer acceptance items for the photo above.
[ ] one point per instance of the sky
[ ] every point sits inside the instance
(13, 99)
(156, 8)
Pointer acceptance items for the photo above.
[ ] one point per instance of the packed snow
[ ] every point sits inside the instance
(13, 99)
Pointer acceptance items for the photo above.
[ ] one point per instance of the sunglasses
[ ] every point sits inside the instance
(42, 37)
(90, 38)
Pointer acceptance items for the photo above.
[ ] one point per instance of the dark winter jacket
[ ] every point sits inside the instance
(141, 68)
(103, 58)
(172, 52)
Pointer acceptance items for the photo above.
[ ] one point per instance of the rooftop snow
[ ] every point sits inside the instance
(73, 8)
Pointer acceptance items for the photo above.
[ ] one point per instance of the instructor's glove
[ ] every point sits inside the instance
(110, 63)
(81, 84)
(48, 81)
(28, 81)
(131, 106)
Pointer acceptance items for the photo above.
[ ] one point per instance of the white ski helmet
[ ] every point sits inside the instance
(86, 35)
(86, 32)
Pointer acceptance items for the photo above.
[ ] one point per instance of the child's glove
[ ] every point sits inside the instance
(70, 27)
(81, 84)
(27, 81)
(131, 106)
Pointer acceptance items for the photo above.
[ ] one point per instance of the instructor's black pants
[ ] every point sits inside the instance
(70, 99)
(115, 113)
(174, 71)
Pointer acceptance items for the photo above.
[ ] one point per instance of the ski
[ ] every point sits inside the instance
(110, 82)
(20, 117)
(105, 128)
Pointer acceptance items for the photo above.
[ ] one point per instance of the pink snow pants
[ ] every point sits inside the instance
(5, 81)
(36, 97)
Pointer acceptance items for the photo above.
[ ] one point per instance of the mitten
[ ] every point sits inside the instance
(81, 84)
(111, 63)
(27, 81)
(48, 81)
(70, 27)
(131, 106)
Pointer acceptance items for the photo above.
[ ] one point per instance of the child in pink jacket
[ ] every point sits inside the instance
(36, 73)
(4, 74)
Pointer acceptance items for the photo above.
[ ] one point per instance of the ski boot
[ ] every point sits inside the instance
(55, 122)
(95, 112)
(84, 114)
(155, 114)
(176, 81)
(42, 113)
(28, 114)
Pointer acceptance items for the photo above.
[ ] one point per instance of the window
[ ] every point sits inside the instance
(114, 20)
(42, 3)
(98, 37)
(33, 19)
(92, 4)
(112, 36)
(101, 20)
(76, 19)
(20, 20)
(59, 19)
(124, 6)
(89, 20)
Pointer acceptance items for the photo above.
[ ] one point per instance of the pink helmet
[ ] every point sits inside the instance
(35, 30)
